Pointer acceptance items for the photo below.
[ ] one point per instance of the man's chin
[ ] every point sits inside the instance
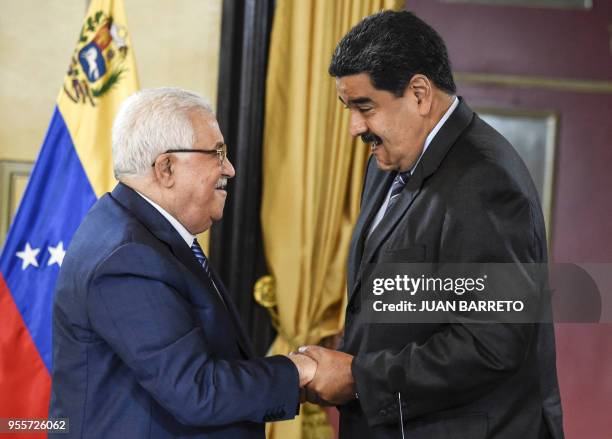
(201, 229)
(391, 167)
(384, 166)
(218, 214)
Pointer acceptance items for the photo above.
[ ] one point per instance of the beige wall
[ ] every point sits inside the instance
(175, 43)
(36, 42)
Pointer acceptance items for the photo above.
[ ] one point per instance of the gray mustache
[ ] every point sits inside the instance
(221, 183)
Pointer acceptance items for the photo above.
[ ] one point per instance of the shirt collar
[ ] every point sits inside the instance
(185, 234)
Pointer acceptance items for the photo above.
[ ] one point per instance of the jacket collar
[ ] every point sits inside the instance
(161, 228)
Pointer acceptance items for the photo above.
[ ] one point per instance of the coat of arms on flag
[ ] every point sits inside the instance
(97, 62)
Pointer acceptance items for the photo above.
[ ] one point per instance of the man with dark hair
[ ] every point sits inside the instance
(391, 48)
(441, 186)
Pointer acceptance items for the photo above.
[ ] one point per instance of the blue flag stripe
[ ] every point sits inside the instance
(57, 198)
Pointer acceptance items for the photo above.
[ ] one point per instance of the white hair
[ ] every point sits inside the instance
(151, 122)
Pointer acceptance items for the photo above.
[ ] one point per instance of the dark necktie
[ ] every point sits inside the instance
(397, 187)
(203, 260)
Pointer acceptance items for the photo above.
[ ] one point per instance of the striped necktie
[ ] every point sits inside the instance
(203, 260)
(397, 187)
(200, 256)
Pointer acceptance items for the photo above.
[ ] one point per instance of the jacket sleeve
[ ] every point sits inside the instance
(153, 329)
(461, 361)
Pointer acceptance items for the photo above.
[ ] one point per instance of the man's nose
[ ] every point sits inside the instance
(228, 168)
(357, 124)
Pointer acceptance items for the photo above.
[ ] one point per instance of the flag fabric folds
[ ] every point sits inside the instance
(73, 168)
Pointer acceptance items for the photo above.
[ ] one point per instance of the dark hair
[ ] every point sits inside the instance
(393, 46)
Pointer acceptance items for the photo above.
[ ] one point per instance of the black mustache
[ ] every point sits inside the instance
(370, 137)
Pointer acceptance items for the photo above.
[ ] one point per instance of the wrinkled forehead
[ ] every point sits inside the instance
(354, 89)
(205, 129)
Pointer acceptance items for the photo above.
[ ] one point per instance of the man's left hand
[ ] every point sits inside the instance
(333, 381)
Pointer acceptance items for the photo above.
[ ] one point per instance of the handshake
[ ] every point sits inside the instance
(325, 375)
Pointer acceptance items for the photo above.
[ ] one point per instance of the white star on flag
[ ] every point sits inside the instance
(57, 254)
(28, 256)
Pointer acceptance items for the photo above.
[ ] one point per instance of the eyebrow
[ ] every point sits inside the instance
(357, 101)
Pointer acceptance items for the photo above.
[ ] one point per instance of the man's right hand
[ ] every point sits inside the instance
(306, 366)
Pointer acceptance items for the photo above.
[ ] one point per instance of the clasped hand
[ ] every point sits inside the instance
(325, 375)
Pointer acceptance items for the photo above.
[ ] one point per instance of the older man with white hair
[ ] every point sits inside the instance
(146, 341)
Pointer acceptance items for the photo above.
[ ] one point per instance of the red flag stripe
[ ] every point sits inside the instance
(24, 379)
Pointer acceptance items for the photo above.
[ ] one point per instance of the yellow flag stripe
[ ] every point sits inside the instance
(101, 75)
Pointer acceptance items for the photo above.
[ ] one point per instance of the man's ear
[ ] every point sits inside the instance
(422, 89)
(164, 170)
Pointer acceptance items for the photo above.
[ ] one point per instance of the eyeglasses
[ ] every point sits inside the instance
(220, 151)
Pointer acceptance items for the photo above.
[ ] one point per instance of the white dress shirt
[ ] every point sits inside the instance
(185, 234)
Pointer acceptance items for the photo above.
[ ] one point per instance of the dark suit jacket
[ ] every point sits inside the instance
(143, 347)
(470, 199)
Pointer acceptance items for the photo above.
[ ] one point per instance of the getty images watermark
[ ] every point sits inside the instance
(487, 293)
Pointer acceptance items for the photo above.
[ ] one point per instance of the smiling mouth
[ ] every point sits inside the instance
(221, 183)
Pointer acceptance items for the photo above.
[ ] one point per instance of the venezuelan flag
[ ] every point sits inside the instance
(74, 167)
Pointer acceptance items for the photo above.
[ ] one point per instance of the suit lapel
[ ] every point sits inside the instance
(186, 256)
(243, 340)
(163, 230)
(368, 212)
(391, 218)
